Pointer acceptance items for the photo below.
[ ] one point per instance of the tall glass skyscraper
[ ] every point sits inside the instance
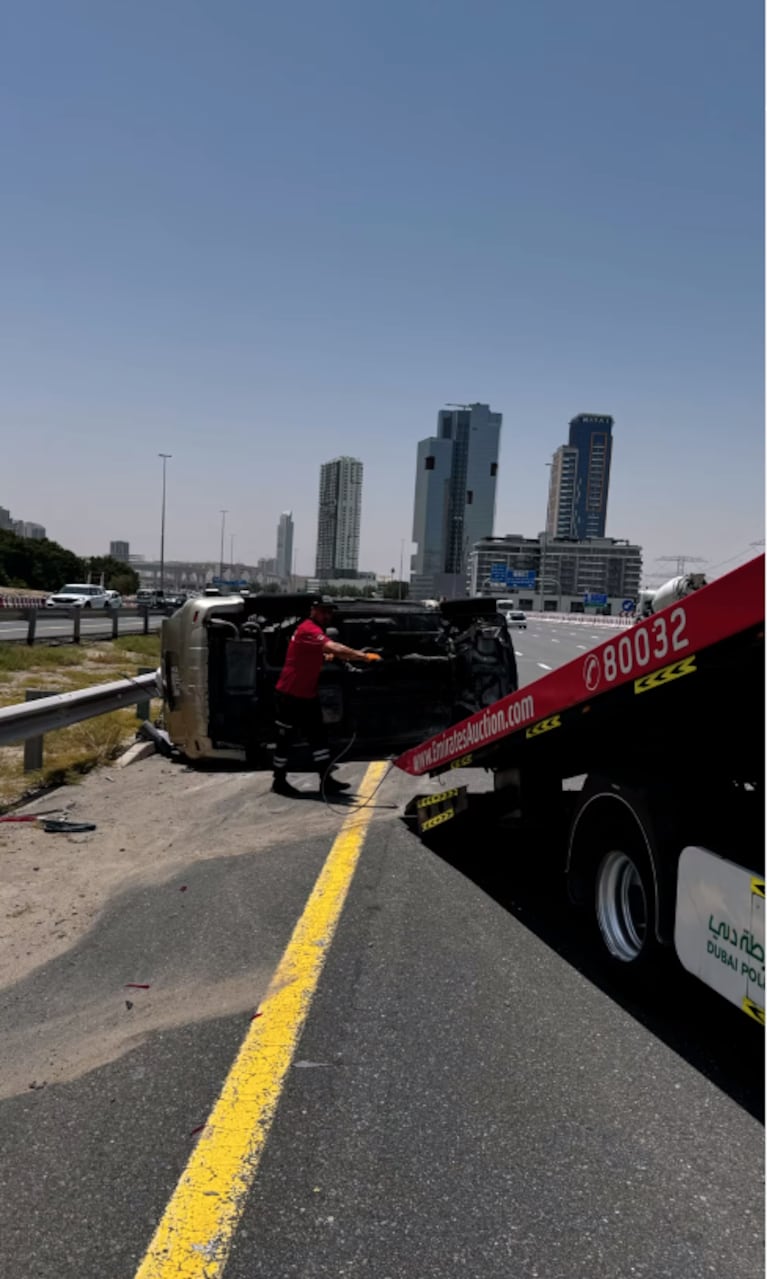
(580, 479)
(284, 556)
(338, 524)
(454, 505)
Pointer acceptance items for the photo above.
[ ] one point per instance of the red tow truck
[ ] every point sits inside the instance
(664, 842)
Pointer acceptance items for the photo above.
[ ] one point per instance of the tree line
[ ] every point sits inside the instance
(27, 564)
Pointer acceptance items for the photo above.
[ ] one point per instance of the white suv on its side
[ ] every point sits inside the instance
(79, 595)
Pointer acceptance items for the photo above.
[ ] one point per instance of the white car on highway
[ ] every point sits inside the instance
(81, 595)
(516, 618)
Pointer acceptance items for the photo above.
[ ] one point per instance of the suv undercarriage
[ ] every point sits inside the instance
(221, 658)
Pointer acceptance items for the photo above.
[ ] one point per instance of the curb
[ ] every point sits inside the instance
(136, 752)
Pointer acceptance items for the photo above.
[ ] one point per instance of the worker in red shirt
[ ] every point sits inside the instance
(297, 705)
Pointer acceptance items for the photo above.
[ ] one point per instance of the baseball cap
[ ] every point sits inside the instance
(322, 601)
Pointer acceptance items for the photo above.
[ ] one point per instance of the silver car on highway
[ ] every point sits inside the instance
(82, 595)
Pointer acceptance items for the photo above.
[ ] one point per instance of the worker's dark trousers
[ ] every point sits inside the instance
(300, 719)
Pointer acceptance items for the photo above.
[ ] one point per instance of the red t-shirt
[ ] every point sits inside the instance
(301, 672)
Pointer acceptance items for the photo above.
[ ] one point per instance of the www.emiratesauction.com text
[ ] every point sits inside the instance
(490, 724)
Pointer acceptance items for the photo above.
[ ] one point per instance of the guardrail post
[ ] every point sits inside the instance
(145, 613)
(33, 747)
(32, 625)
(76, 629)
(144, 709)
(115, 623)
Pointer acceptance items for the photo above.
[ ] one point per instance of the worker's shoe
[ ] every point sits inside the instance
(329, 786)
(281, 786)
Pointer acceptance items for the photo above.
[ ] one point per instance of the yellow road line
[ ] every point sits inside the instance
(195, 1233)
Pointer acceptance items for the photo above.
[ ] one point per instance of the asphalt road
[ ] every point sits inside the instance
(99, 626)
(471, 1096)
(544, 646)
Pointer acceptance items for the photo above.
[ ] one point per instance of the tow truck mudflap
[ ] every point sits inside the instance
(719, 930)
(434, 810)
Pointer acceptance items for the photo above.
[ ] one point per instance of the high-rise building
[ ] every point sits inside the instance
(284, 557)
(25, 528)
(592, 435)
(120, 551)
(454, 504)
(338, 525)
(5, 519)
(580, 479)
(560, 516)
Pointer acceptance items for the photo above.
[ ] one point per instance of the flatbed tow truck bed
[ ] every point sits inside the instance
(666, 721)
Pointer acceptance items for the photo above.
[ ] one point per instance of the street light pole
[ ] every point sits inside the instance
(221, 560)
(549, 466)
(165, 457)
(401, 562)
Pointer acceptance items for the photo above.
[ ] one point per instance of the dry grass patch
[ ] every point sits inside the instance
(70, 751)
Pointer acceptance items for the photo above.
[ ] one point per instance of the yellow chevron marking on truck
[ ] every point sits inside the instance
(544, 726)
(757, 887)
(463, 762)
(755, 1011)
(665, 675)
(428, 800)
(439, 819)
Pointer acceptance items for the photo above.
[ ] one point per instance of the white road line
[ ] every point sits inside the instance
(582, 646)
(544, 667)
(520, 653)
(554, 641)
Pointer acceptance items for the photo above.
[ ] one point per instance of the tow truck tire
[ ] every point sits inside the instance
(623, 905)
(611, 873)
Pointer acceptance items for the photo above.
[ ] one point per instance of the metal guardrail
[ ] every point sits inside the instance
(582, 619)
(111, 619)
(60, 710)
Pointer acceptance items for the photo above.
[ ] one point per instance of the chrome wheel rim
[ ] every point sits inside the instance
(621, 907)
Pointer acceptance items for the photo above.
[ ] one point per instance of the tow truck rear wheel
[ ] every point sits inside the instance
(622, 904)
(611, 873)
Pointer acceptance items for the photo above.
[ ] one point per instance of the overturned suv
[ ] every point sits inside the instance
(222, 656)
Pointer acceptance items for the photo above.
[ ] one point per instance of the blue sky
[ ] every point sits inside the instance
(257, 236)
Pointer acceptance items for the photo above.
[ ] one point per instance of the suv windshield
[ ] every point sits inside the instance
(77, 590)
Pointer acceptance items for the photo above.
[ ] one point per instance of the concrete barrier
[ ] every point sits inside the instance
(581, 619)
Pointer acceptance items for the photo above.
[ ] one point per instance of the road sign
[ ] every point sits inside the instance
(520, 581)
(502, 575)
(593, 598)
(233, 585)
(628, 606)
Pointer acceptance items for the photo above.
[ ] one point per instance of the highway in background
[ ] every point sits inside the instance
(544, 646)
(471, 1094)
(91, 627)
